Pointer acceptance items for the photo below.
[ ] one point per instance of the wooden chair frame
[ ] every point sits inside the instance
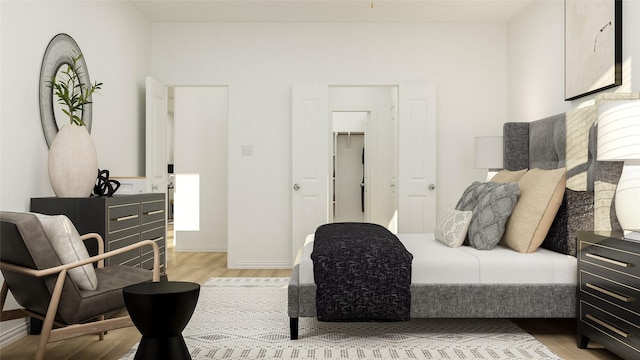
(64, 331)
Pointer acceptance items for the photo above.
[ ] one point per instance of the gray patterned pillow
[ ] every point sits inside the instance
(452, 227)
(472, 194)
(491, 214)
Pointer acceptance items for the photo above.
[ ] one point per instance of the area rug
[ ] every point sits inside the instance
(246, 318)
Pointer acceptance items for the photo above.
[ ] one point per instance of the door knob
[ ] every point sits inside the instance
(296, 187)
(432, 187)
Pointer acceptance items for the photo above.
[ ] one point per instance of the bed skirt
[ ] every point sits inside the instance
(459, 300)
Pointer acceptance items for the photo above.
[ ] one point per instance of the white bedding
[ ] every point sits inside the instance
(436, 263)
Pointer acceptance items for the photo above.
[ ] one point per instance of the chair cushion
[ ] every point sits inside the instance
(108, 296)
(66, 243)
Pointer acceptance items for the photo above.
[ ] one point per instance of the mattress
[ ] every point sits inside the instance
(436, 263)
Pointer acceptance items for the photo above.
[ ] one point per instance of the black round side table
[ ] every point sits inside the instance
(160, 311)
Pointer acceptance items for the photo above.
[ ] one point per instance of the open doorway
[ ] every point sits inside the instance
(364, 155)
(408, 186)
(349, 178)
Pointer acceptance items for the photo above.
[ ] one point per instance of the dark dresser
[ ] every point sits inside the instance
(121, 220)
(609, 294)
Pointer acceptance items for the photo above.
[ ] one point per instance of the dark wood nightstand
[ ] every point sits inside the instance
(609, 294)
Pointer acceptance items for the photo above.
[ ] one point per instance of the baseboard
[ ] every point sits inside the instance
(13, 334)
(259, 265)
(198, 250)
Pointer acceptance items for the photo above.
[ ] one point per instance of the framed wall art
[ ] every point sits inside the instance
(593, 46)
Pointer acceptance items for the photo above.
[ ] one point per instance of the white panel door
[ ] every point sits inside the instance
(156, 136)
(310, 161)
(417, 159)
(201, 152)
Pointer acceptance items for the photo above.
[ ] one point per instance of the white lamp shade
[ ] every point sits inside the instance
(619, 140)
(488, 151)
(619, 131)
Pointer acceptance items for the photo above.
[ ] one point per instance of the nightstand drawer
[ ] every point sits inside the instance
(605, 255)
(622, 329)
(613, 290)
(123, 217)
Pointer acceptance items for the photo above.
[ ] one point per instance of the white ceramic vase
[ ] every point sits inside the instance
(73, 162)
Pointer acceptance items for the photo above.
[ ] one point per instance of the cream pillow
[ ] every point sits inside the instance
(451, 228)
(507, 176)
(541, 193)
(66, 243)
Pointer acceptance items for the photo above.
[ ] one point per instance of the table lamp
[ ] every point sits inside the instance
(489, 154)
(619, 140)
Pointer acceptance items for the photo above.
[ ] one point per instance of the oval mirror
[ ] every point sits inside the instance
(55, 59)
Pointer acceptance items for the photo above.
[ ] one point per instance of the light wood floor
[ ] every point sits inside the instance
(558, 335)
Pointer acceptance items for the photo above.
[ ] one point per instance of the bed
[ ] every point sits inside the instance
(537, 281)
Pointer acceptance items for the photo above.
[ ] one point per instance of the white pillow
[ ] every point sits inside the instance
(451, 228)
(66, 243)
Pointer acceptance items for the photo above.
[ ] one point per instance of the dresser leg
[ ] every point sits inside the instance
(583, 341)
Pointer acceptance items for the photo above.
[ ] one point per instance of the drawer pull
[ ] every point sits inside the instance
(608, 326)
(610, 293)
(607, 260)
(154, 212)
(157, 239)
(125, 218)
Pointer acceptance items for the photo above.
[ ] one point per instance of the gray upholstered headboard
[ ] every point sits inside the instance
(569, 140)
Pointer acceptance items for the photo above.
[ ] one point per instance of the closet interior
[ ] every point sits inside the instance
(349, 178)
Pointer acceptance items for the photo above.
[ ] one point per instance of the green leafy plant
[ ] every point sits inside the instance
(71, 92)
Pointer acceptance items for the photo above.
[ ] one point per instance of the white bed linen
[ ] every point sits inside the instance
(436, 263)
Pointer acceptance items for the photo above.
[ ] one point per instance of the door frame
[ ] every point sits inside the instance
(417, 191)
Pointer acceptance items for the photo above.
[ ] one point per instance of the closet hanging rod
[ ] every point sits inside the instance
(348, 132)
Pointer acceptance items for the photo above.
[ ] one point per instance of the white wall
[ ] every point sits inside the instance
(115, 40)
(260, 63)
(536, 60)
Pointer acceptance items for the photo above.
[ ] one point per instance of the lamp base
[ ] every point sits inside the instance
(628, 196)
(633, 235)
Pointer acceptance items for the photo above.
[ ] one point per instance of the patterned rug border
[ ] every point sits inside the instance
(247, 281)
(246, 318)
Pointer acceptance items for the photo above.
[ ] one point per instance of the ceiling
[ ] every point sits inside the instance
(330, 10)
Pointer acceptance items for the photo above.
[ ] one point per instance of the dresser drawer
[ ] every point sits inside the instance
(607, 256)
(127, 257)
(159, 236)
(148, 264)
(152, 211)
(123, 217)
(614, 290)
(127, 260)
(621, 328)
